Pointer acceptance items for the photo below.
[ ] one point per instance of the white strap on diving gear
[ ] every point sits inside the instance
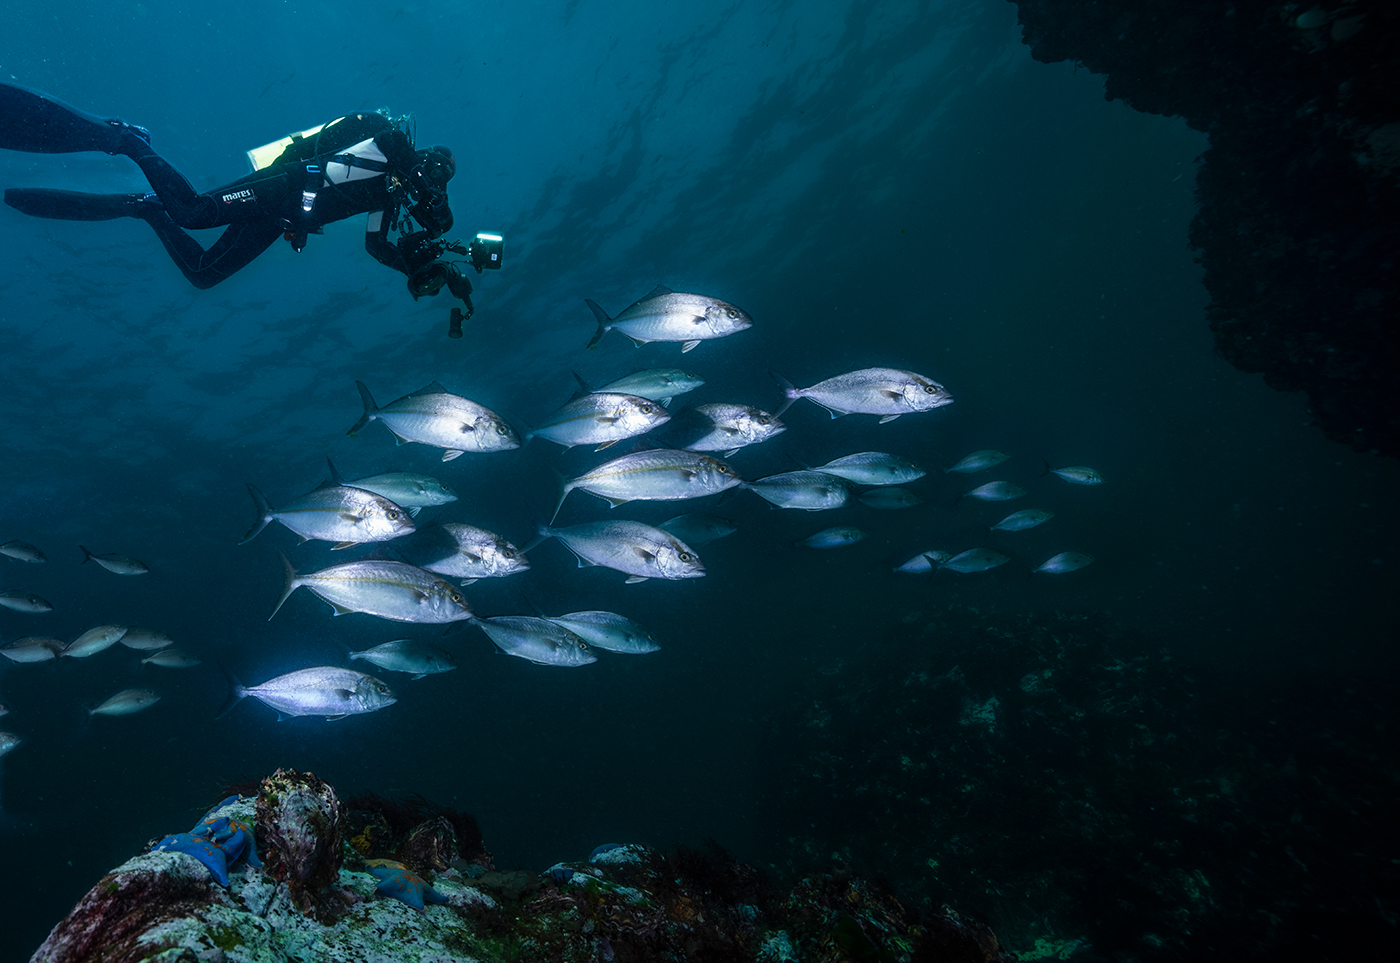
(361, 161)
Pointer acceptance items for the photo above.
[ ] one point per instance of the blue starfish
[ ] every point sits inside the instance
(207, 852)
(215, 842)
(403, 884)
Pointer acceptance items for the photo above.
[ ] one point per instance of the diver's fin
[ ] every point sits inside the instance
(37, 123)
(74, 205)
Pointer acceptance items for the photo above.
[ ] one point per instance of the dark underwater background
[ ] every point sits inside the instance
(891, 184)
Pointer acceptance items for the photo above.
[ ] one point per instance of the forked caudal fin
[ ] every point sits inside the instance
(292, 583)
(264, 514)
(604, 322)
(236, 693)
(789, 392)
(371, 410)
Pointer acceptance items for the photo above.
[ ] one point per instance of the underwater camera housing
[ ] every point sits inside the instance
(486, 251)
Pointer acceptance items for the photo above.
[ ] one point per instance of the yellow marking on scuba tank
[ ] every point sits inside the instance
(260, 157)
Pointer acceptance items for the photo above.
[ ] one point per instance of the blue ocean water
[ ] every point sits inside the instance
(895, 184)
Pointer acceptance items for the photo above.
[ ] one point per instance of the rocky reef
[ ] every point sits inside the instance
(1298, 227)
(361, 880)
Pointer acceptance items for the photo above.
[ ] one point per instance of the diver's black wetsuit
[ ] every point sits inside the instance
(356, 164)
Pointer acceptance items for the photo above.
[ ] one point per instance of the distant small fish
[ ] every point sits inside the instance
(25, 602)
(836, 537)
(697, 529)
(1075, 474)
(887, 392)
(4, 710)
(172, 659)
(890, 498)
(601, 418)
(923, 562)
(32, 648)
(660, 474)
(979, 461)
(8, 740)
(391, 590)
(145, 640)
(126, 702)
(464, 552)
(997, 491)
(117, 564)
(639, 550)
(812, 491)
(323, 690)
(873, 468)
(608, 630)
(1022, 520)
(93, 641)
(665, 315)
(406, 655)
(658, 384)
(975, 560)
(1064, 562)
(724, 427)
(22, 551)
(536, 640)
(434, 416)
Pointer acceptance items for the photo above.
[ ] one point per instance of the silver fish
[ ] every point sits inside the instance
(406, 655)
(93, 641)
(322, 690)
(664, 315)
(997, 491)
(32, 648)
(391, 590)
(813, 491)
(4, 710)
(1075, 474)
(1064, 562)
(333, 512)
(116, 564)
(873, 468)
(658, 384)
(601, 418)
(1022, 520)
(126, 702)
(698, 529)
(407, 489)
(8, 740)
(890, 498)
(924, 562)
(538, 640)
(641, 551)
(434, 416)
(833, 537)
(24, 602)
(22, 551)
(979, 461)
(975, 560)
(608, 630)
(465, 552)
(172, 659)
(662, 474)
(145, 640)
(724, 427)
(887, 392)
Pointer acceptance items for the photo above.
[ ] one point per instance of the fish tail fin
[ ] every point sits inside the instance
(604, 322)
(86, 555)
(262, 509)
(789, 392)
(371, 410)
(1048, 469)
(290, 587)
(542, 532)
(236, 693)
(564, 488)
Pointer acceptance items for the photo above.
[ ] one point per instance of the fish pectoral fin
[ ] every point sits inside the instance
(469, 581)
(888, 418)
(633, 579)
(728, 430)
(643, 553)
(339, 545)
(350, 517)
(688, 346)
(413, 512)
(464, 428)
(605, 419)
(452, 453)
(421, 675)
(420, 596)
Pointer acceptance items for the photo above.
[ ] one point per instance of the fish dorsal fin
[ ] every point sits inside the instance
(583, 385)
(660, 291)
(335, 475)
(432, 389)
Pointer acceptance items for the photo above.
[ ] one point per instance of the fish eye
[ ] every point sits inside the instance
(928, 388)
(392, 515)
(645, 409)
(583, 646)
(500, 429)
(684, 556)
(455, 596)
(732, 313)
(763, 421)
(722, 469)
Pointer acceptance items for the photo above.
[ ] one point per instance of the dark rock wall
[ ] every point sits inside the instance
(1299, 192)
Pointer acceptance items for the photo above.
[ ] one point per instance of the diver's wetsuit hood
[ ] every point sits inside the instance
(427, 185)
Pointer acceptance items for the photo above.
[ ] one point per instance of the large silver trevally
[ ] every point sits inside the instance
(116, 564)
(538, 640)
(813, 491)
(333, 512)
(641, 551)
(464, 552)
(25, 602)
(1022, 520)
(873, 468)
(406, 655)
(887, 392)
(391, 590)
(664, 315)
(434, 416)
(407, 489)
(126, 702)
(22, 551)
(979, 461)
(1075, 474)
(1064, 562)
(608, 630)
(697, 529)
(658, 384)
(661, 474)
(93, 641)
(725, 427)
(975, 560)
(32, 648)
(601, 418)
(323, 690)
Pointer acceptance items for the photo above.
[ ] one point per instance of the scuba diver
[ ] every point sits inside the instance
(357, 164)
